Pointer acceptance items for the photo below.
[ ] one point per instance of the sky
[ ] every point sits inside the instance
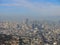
(29, 7)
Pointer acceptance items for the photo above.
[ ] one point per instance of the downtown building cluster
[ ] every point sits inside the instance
(33, 33)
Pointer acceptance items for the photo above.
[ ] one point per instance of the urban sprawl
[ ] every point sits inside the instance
(30, 33)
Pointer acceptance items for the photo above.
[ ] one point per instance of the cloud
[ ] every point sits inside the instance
(40, 8)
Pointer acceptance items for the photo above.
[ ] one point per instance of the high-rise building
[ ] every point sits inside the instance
(27, 20)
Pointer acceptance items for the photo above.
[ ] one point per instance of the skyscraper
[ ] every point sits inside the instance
(26, 22)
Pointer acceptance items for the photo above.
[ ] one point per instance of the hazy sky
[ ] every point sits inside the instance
(30, 7)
